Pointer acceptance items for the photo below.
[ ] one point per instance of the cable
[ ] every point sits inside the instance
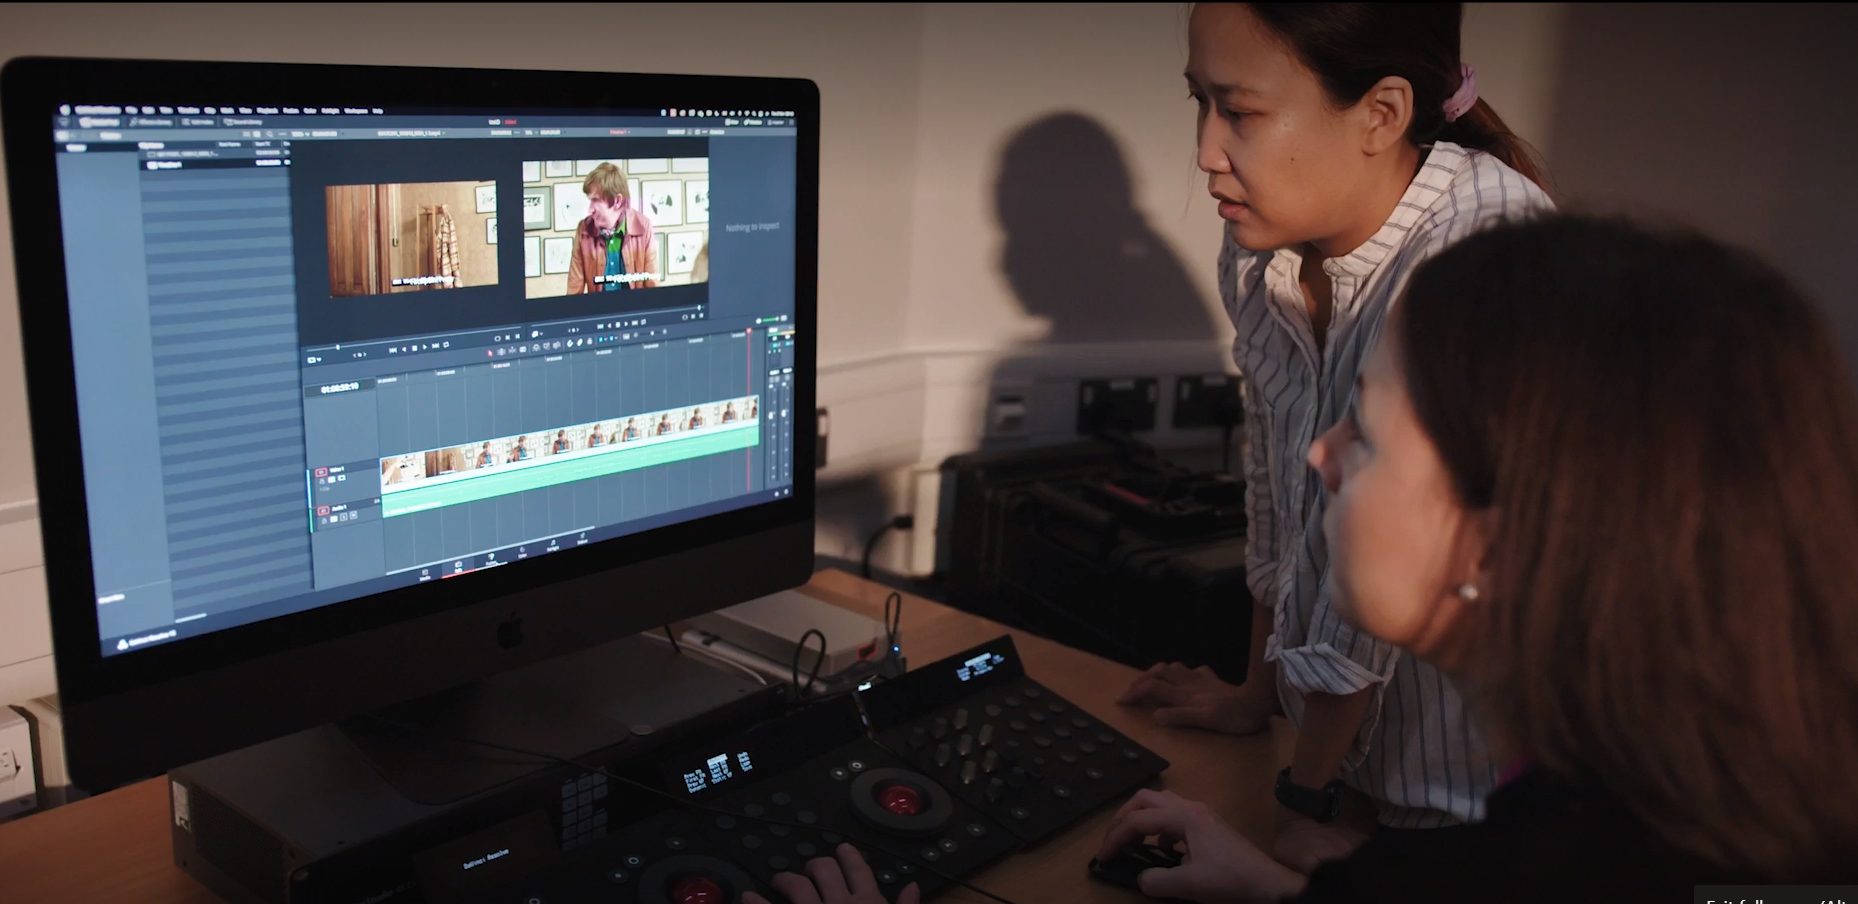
(901, 522)
(685, 802)
(801, 692)
(673, 639)
(892, 624)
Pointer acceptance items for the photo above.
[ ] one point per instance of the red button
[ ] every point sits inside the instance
(901, 800)
(696, 890)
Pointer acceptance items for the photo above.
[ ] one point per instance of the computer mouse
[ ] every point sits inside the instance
(1129, 863)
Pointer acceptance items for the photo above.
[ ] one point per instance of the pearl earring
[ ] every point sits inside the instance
(1468, 592)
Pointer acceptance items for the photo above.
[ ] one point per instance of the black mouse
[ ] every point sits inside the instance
(1129, 863)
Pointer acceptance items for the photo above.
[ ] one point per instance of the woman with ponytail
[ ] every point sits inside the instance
(1346, 145)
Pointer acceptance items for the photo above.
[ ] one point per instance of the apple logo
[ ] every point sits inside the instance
(510, 633)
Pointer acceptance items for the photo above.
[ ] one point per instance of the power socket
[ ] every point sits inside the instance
(19, 773)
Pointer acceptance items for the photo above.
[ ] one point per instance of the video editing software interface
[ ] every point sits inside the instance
(326, 352)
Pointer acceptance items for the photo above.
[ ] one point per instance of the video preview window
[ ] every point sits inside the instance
(614, 225)
(411, 237)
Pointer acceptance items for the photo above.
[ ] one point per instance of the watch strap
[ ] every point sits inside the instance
(1321, 804)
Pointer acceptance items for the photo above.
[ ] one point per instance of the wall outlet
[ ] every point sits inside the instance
(19, 773)
(1206, 400)
(1126, 404)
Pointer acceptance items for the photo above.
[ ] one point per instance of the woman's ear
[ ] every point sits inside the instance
(1387, 110)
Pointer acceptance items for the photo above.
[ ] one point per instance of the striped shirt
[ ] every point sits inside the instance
(1416, 753)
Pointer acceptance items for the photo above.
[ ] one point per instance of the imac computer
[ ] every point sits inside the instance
(352, 385)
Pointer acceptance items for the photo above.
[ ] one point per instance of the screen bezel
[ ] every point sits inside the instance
(236, 668)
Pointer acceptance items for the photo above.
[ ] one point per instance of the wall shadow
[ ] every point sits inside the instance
(1079, 253)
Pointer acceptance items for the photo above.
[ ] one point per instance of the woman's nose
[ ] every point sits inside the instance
(1325, 462)
(1208, 155)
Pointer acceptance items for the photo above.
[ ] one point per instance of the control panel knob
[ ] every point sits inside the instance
(942, 754)
(961, 719)
(996, 789)
(986, 736)
(918, 737)
(902, 800)
(968, 772)
(991, 762)
(965, 745)
(939, 728)
(696, 890)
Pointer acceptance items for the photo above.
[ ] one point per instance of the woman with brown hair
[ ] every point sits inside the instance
(1603, 479)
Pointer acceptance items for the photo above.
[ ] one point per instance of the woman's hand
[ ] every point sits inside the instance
(1220, 864)
(1196, 698)
(847, 880)
(1303, 843)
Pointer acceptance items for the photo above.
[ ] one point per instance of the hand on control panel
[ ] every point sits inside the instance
(1196, 698)
(846, 880)
(1220, 865)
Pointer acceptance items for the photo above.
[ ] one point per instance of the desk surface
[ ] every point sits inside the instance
(115, 847)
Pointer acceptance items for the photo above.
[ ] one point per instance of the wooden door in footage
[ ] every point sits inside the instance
(354, 241)
(363, 236)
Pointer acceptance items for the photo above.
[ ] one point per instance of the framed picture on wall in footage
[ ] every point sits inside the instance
(632, 191)
(648, 165)
(557, 250)
(487, 198)
(690, 164)
(532, 255)
(570, 206)
(490, 231)
(532, 170)
(583, 167)
(535, 207)
(697, 201)
(664, 202)
(658, 254)
(684, 248)
(556, 169)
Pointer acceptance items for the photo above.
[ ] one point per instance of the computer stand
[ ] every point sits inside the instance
(444, 748)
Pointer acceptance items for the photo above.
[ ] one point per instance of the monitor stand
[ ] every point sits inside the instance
(570, 707)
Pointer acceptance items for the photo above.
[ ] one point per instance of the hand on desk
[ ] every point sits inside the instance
(1196, 698)
(1303, 843)
(1220, 865)
(847, 880)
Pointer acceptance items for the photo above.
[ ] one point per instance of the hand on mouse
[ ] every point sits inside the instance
(1220, 865)
(846, 880)
(1196, 698)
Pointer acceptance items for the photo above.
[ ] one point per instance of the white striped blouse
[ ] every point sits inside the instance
(1417, 753)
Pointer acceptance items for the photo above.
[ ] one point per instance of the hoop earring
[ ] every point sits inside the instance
(1467, 591)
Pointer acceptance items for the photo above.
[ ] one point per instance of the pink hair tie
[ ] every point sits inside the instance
(1465, 97)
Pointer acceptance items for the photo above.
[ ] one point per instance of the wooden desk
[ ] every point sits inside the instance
(115, 847)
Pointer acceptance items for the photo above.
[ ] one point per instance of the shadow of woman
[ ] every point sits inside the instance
(1081, 255)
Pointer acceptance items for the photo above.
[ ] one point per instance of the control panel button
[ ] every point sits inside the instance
(1104, 737)
(1057, 707)
(856, 765)
(918, 736)
(1020, 813)
(1080, 722)
(840, 773)
(675, 843)
(805, 850)
(696, 890)
(948, 845)
(1041, 741)
(618, 876)
(1130, 753)
(751, 841)
(1061, 731)
(1094, 774)
(777, 862)
(725, 822)
(1068, 757)
(938, 729)
(1012, 700)
(1037, 716)
(807, 818)
(635, 861)
(780, 798)
(1016, 725)
(991, 762)
(1061, 791)
(754, 810)
(1086, 748)
(976, 830)
(993, 709)
(779, 831)
(996, 790)
(886, 877)
(928, 855)
(1032, 693)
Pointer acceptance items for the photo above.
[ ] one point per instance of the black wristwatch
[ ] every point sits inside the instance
(1321, 804)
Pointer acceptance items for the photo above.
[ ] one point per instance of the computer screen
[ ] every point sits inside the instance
(322, 353)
